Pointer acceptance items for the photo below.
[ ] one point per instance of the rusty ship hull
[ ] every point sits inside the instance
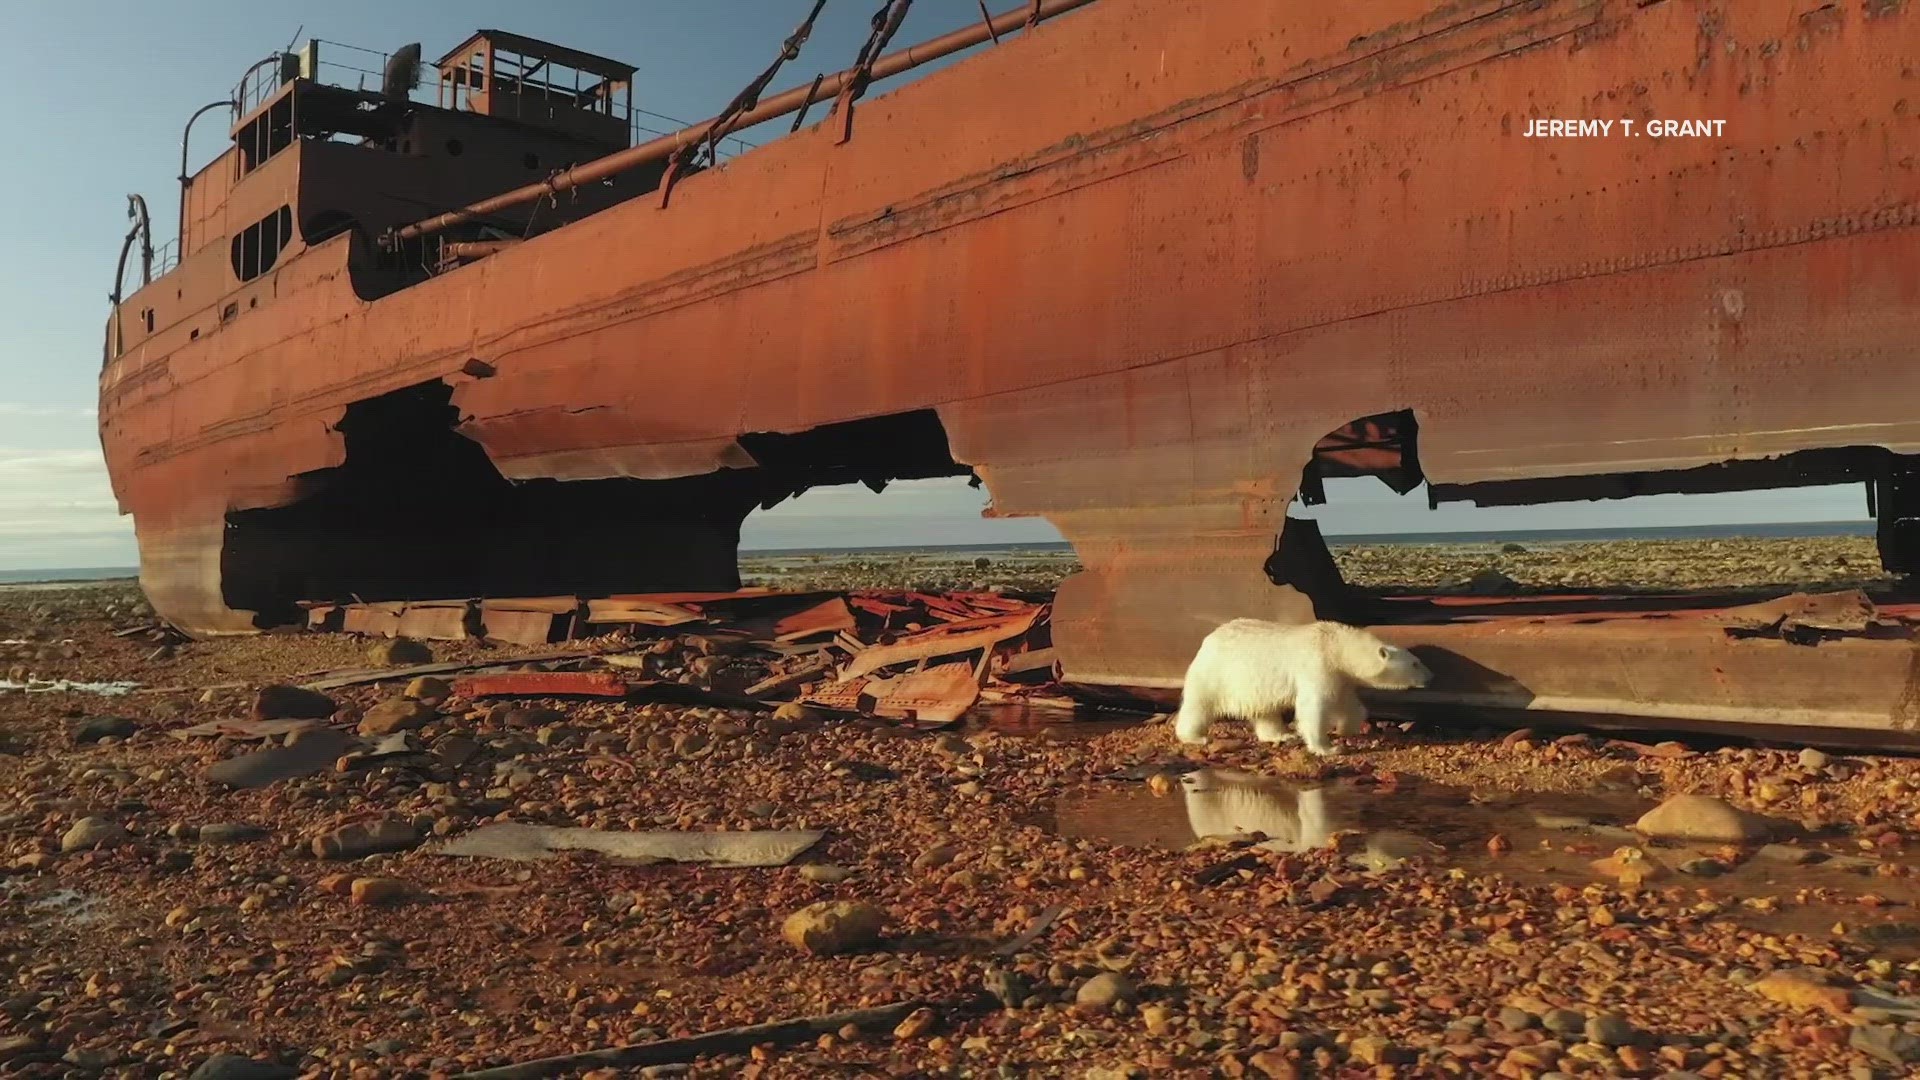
(1132, 268)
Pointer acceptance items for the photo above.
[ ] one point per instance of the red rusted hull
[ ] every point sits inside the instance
(1141, 261)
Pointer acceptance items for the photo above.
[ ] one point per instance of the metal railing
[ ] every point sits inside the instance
(265, 79)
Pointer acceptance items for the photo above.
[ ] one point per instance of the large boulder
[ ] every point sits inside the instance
(1703, 818)
(834, 926)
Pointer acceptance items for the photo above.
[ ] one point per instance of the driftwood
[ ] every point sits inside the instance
(728, 1041)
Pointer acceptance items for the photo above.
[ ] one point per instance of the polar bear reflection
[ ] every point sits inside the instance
(1223, 802)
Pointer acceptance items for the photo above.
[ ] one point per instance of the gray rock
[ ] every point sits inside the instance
(89, 833)
(1009, 988)
(94, 728)
(1610, 1030)
(230, 832)
(1104, 991)
(281, 702)
(1705, 818)
(366, 838)
(1886, 1042)
(1515, 1019)
(825, 874)
(1564, 1022)
(235, 1067)
(1787, 853)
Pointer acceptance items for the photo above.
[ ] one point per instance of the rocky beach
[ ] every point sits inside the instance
(206, 873)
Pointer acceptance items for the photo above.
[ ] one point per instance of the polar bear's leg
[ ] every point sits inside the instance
(1313, 820)
(1347, 712)
(1312, 714)
(1196, 713)
(1271, 727)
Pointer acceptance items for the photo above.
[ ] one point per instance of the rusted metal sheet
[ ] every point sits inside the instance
(1131, 261)
(648, 611)
(377, 620)
(441, 621)
(518, 627)
(825, 618)
(934, 697)
(948, 639)
(543, 684)
(1666, 672)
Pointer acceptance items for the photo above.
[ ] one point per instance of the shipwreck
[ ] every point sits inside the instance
(1150, 269)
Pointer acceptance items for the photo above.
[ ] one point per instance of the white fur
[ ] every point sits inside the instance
(1226, 802)
(1257, 670)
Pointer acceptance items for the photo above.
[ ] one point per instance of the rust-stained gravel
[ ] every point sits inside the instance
(1512, 958)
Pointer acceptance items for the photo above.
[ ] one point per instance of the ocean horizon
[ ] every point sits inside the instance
(1761, 531)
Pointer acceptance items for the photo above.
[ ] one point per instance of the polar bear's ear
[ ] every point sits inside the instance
(1386, 652)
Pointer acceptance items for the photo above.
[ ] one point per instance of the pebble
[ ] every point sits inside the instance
(89, 833)
(938, 855)
(834, 926)
(368, 891)
(826, 873)
(428, 689)
(1376, 1051)
(1104, 991)
(400, 714)
(229, 833)
(1008, 987)
(917, 1023)
(1814, 760)
(1515, 1019)
(1564, 1022)
(1608, 1029)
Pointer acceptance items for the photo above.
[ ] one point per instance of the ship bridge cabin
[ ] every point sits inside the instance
(317, 162)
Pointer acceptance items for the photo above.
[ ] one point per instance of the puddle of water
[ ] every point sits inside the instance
(1044, 721)
(1551, 840)
(64, 686)
(73, 906)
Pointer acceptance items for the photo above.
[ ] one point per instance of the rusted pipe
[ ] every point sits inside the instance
(474, 249)
(599, 169)
(186, 137)
(141, 230)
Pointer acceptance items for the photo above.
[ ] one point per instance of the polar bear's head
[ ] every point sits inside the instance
(1391, 667)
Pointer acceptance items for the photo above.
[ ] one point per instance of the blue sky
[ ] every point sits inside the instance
(112, 81)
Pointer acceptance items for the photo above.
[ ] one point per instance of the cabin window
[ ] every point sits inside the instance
(531, 161)
(455, 147)
(146, 318)
(259, 244)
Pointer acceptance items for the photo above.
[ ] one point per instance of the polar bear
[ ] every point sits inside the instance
(1226, 802)
(1256, 670)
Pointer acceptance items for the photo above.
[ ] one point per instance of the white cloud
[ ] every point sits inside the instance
(17, 408)
(57, 510)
